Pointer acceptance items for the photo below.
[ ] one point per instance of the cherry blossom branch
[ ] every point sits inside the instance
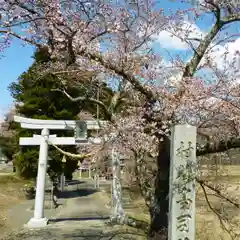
(215, 8)
(121, 72)
(211, 147)
(25, 7)
(191, 67)
(25, 39)
(232, 18)
(10, 25)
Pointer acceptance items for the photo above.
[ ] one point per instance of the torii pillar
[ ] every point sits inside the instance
(39, 219)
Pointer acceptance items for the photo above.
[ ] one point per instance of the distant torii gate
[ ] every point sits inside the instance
(80, 138)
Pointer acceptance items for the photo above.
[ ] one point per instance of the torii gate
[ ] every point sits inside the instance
(80, 138)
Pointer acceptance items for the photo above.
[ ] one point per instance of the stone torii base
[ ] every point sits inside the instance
(36, 223)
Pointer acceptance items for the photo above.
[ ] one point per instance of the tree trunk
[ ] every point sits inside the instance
(118, 215)
(160, 203)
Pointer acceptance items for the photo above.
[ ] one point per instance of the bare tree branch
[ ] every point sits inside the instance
(219, 193)
(222, 221)
(25, 39)
(232, 18)
(191, 67)
(92, 100)
(220, 146)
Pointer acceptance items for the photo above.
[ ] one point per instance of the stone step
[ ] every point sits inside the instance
(126, 199)
(128, 206)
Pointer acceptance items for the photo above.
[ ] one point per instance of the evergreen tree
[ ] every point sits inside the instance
(35, 99)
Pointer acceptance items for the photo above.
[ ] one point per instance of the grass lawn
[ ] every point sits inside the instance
(208, 226)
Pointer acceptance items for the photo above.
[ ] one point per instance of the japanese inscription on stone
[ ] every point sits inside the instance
(182, 183)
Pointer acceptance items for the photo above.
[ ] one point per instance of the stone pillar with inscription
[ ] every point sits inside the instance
(183, 168)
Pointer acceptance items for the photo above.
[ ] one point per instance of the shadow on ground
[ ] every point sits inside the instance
(77, 219)
(74, 182)
(83, 192)
(100, 234)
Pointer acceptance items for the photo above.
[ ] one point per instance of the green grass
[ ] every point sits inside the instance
(11, 179)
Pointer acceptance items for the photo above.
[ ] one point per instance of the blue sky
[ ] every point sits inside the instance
(17, 58)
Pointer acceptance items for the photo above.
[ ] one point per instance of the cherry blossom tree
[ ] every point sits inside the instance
(117, 39)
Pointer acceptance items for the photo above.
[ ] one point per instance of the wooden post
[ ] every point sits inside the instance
(52, 197)
(89, 172)
(96, 181)
(182, 190)
(62, 183)
(118, 211)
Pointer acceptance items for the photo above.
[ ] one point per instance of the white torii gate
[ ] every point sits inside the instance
(80, 128)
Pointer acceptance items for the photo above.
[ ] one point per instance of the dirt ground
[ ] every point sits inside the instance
(221, 221)
(10, 195)
(82, 215)
(209, 227)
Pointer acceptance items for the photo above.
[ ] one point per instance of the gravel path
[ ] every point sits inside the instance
(83, 204)
(82, 215)
(80, 202)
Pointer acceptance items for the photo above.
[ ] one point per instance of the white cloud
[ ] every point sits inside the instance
(166, 72)
(182, 31)
(167, 40)
(225, 55)
(221, 54)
